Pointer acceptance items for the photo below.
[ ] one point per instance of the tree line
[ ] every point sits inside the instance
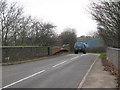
(20, 30)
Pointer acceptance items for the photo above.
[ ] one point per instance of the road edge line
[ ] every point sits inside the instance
(84, 78)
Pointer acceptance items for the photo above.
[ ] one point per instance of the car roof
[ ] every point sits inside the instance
(79, 42)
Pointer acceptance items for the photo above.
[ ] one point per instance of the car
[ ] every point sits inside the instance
(80, 47)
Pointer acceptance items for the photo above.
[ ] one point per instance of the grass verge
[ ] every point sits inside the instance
(31, 60)
(20, 62)
(103, 55)
(110, 67)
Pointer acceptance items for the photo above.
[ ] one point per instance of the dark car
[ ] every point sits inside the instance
(80, 47)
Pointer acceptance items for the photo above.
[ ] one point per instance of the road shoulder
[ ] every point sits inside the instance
(98, 78)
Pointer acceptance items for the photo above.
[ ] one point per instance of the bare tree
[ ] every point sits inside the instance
(47, 34)
(24, 30)
(9, 17)
(3, 6)
(42, 33)
(107, 15)
(68, 37)
(17, 29)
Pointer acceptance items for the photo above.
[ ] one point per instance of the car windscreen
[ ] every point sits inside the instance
(79, 44)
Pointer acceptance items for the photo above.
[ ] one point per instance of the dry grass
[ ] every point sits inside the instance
(110, 67)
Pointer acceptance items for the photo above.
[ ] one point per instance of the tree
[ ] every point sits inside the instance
(43, 33)
(9, 20)
(107, 16)
(47, 34)
(17, 29)
(68, 36)
(24, 30)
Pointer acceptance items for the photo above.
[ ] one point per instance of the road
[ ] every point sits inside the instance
(59, 72)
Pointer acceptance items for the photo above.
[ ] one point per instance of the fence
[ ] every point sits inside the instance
(113, 55)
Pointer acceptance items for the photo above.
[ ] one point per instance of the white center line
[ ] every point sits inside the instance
(22, 79)
(59, 64)
(74, 58)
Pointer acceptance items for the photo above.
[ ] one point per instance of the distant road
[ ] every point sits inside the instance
(60, 72)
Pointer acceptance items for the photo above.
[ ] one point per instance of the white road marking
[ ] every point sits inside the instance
(77, 57)
(59, 64)
(74, 58)
(84, 78)
(65, 61)
(22, 79)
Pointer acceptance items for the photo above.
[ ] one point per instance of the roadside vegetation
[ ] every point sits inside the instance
(103, 55)
(31, 60)
(19, 32)
(107, 16)
(17, 29)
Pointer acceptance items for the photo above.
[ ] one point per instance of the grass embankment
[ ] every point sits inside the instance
(103, 55)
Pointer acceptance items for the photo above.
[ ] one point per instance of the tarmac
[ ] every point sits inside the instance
(99, 78)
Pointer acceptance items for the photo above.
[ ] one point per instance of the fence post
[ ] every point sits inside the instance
(48, 50)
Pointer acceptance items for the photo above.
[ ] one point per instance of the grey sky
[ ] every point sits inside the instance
(63, 13)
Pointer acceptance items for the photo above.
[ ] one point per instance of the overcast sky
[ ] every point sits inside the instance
(62, 13)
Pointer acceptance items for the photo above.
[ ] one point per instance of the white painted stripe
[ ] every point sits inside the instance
(23, 79)
(77, 57)
(84, 78)
(59, 64)
(74, 58)
(84, 54)
(65, 61)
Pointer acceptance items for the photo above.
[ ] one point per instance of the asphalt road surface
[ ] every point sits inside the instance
(59, 72)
